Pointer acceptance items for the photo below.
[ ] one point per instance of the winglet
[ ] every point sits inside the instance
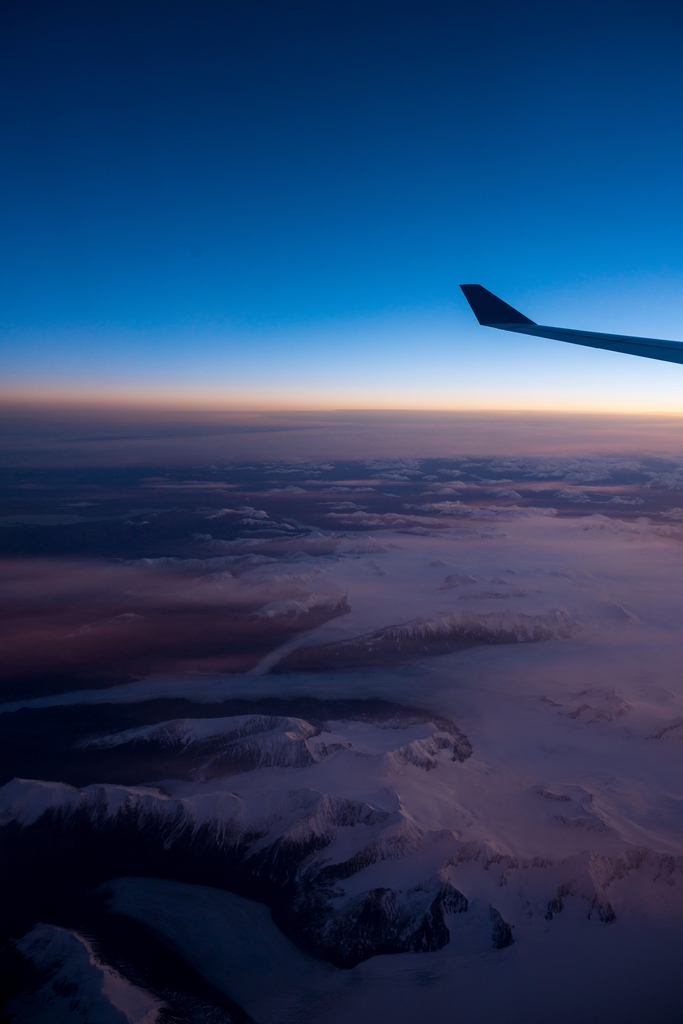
(489, 309)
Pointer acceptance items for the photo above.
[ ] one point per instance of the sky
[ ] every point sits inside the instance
(271, 205)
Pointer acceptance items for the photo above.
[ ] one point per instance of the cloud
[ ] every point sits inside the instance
(395, 469)
(671, 481)
(443, 489)
(345, 506)
(383, 521)
(577, 497)
(290, 489)
(89, 617)
(458, 508)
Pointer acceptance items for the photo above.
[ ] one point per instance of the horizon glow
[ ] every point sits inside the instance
(402, 360)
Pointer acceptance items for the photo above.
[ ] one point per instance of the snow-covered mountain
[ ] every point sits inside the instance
(72, 983)
(274, 823)
(393, 644)
(363, 836)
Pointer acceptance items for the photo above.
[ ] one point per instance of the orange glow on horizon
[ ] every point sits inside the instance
(264, 401)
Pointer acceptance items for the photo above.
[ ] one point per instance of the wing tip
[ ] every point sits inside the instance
(489, 309)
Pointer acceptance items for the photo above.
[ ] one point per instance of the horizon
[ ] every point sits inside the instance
(68, 435)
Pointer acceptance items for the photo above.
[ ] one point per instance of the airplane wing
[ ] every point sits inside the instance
(491, 311)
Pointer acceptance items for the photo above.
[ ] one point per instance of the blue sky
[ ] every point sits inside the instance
(262, 203)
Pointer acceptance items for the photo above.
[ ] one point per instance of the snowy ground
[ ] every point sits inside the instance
(572, 792)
